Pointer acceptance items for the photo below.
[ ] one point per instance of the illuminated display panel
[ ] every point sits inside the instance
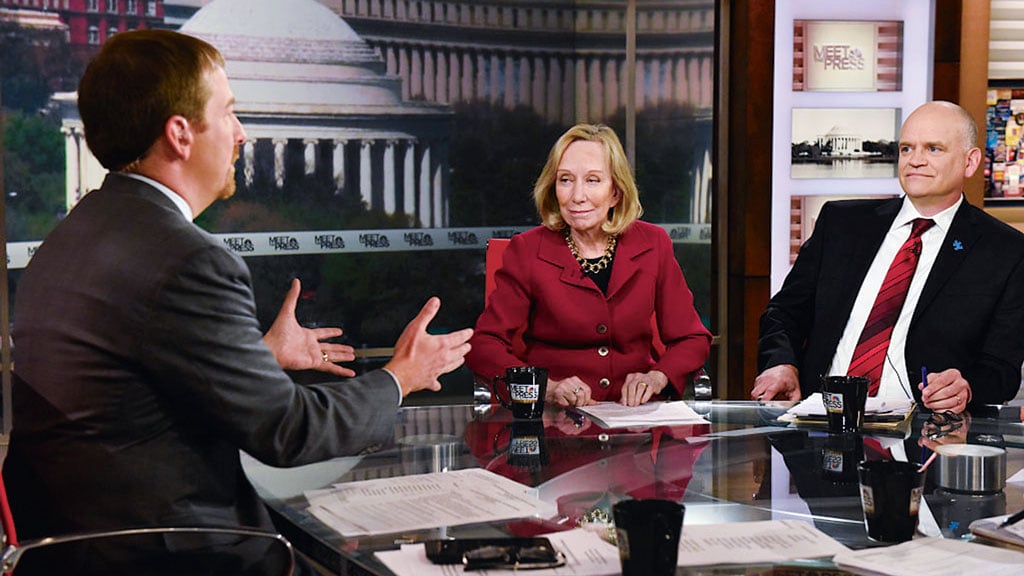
(839, 55)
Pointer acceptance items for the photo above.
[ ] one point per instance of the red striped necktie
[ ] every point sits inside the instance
(869, 355)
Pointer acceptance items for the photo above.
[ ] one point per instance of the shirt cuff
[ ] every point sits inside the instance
(397, 384)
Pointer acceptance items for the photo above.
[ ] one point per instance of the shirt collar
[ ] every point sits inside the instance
(183, 206)
(943, 220)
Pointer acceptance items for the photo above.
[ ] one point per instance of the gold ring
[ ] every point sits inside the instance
(326, 357)
(576, 390)
(644, 384)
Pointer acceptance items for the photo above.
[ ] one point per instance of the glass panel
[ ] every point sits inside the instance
(386, 193)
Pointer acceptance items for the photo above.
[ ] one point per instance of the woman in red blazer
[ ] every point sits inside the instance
(576, 295)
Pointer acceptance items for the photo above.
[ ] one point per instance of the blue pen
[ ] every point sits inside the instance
(924, 384)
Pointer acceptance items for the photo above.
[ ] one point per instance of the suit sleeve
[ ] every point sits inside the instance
(204, 347)
(787, 320)
(687, 341)
(996, 376)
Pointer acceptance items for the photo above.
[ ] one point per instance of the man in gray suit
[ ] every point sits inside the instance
(140, 367)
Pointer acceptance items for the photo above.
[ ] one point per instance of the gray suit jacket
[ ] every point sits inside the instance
(141, 372)
(970, 315)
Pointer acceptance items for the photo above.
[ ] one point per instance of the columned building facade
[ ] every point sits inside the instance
(315, 103)
(565, 59)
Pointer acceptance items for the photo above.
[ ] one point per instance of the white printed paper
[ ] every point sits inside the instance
(934, 557)
(423, 501)
(615, 415)
(754, 542)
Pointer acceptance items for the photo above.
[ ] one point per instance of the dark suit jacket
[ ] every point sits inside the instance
(970, 315)
(574, 329)
(140, 373)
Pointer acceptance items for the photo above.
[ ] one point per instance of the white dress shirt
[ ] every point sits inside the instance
(186, 210)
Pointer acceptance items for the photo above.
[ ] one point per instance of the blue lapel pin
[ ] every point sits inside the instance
(958, 245)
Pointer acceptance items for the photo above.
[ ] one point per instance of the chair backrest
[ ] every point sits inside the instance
(10, 536)
(492, 261)
(262, 553)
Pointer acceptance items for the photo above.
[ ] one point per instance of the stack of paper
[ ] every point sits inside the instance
(814, 406)
(615, 415)
(423, 501)
(935, 557)
(993, 529)
(754, 542)
(879, 413)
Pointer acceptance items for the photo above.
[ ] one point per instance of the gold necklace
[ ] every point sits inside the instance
(592, 267)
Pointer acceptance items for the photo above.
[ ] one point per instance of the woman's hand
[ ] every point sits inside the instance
(569, 392)
(641, 387)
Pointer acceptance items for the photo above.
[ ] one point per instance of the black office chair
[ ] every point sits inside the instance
(207, 550)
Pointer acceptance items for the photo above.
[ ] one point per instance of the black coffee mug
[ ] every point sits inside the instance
(647, 533)
(890, 495)
(526, 387)
(845, 398)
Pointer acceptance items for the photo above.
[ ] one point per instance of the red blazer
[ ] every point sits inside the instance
(571, 328)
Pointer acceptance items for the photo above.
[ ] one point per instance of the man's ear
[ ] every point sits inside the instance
(178, 135)
(973, 161)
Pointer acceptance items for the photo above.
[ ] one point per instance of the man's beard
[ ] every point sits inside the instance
(229, 185)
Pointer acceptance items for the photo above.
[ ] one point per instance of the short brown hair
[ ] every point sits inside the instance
(135, 83)
(628, 208)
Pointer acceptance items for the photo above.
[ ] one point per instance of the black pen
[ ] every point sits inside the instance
(1013, 519)
(577, 418)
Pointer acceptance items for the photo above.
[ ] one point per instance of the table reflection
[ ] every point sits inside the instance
(581, 467)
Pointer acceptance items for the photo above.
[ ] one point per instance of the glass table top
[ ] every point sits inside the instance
(743, 465)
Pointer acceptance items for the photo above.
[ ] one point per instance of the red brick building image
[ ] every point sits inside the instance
(90, 22)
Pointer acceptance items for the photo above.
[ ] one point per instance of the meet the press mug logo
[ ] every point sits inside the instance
(915, 499)
(524, 393)
(832, 461)
(525, 446)
(867, 499)
(833, 401)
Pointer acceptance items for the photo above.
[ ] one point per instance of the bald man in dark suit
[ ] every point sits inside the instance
(963, 315)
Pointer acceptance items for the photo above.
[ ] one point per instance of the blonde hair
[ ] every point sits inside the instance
(628, 208)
